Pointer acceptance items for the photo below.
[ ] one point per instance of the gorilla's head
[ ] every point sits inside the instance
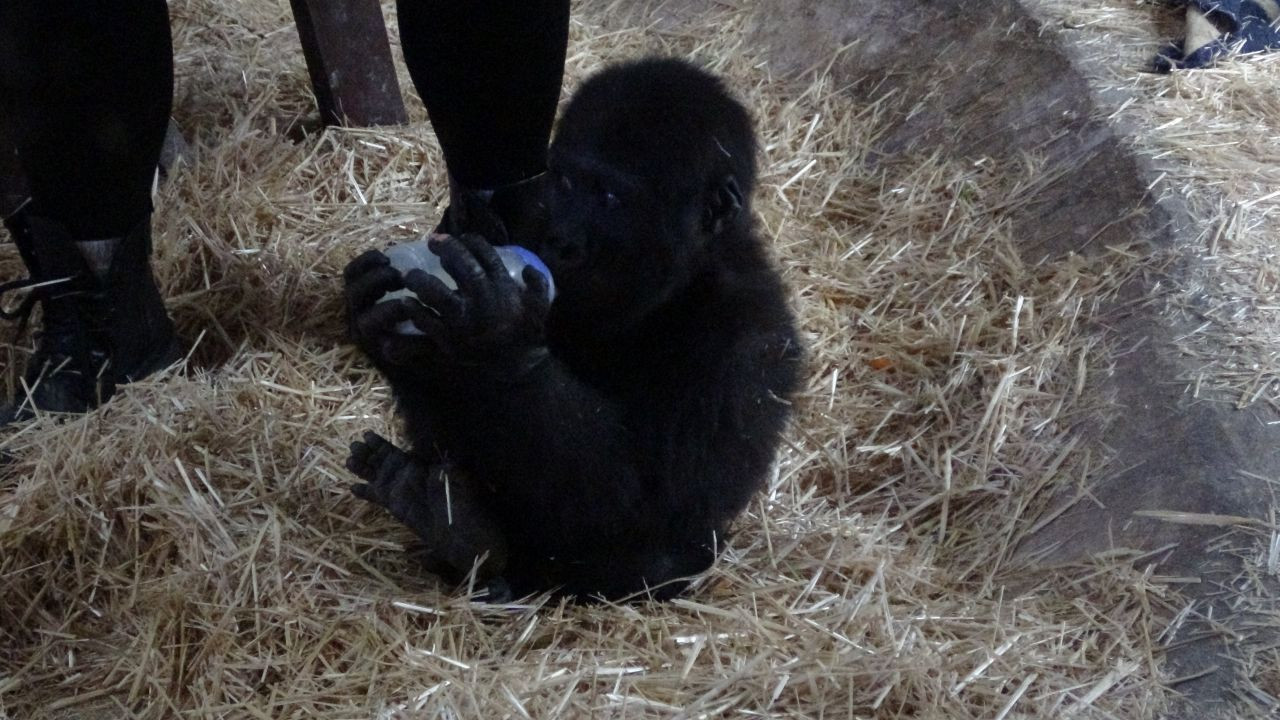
(652, 170)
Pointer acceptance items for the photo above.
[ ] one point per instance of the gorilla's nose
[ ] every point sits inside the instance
(564, 250)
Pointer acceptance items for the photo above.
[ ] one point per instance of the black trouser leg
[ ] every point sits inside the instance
(86, 87)
(489, 72)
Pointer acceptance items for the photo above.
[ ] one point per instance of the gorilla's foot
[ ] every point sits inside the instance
(443, 510)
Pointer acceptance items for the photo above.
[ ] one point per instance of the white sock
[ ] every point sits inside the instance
(98, 254)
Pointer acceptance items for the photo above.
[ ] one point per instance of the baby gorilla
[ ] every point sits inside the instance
(600, 445)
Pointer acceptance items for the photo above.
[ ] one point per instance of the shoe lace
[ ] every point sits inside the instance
(60, 319)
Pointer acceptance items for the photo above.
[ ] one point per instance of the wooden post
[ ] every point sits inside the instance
(349, 59)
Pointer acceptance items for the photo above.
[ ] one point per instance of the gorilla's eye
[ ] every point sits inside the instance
(565, 183)
(610, 200)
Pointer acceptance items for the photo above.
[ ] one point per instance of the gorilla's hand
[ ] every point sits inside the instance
(374, 325)
(392, 479)
(490, 321)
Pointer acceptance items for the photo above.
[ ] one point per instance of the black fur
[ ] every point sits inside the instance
(611, 438)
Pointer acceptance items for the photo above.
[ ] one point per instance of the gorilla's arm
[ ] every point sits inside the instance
(552, 445)
(688, 449)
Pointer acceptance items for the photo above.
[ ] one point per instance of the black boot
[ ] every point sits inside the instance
(514, 214)
(100, 329)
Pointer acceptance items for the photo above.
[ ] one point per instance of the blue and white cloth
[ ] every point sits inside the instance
(1219, 27)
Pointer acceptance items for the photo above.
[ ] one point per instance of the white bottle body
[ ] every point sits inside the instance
(417, 256)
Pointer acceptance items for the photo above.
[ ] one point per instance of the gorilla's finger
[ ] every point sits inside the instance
(537, 291)
(363, 263)
(366, 289)
(373, 440)
(360, 469)
(379, 451)
(413, 350)
(486, 255)
(465, 269)
(381, 319)
(358, 459)
(354, 463)
(390, 463)
(428, 322)
(433, 293)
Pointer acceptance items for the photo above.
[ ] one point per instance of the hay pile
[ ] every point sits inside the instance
(191, 549)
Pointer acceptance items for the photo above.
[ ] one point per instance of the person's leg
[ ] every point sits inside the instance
(489, 73)
(86, 88)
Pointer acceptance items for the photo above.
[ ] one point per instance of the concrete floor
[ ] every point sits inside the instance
(989, 84)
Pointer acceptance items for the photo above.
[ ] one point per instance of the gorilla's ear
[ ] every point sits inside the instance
(724, 202)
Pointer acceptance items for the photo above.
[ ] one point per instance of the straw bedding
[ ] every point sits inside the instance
(1216, 135)
(191, 550)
